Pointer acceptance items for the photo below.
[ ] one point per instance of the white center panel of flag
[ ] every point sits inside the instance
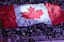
(22, 21)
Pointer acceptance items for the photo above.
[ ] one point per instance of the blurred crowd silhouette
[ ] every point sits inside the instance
(20, 2)
(37, 32)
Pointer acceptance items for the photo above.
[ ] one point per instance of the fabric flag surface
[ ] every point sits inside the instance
(30, 14)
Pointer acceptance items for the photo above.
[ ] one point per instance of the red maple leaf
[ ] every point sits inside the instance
(32, 13)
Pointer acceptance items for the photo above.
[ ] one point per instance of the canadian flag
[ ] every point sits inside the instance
(30, 14)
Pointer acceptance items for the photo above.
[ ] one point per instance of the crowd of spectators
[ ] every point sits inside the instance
(37, 32)
(20, 2)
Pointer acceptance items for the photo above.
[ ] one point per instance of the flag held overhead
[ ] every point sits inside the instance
(30, 14)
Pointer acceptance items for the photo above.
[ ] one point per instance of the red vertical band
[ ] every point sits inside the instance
(8, 16)
(55, 13)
